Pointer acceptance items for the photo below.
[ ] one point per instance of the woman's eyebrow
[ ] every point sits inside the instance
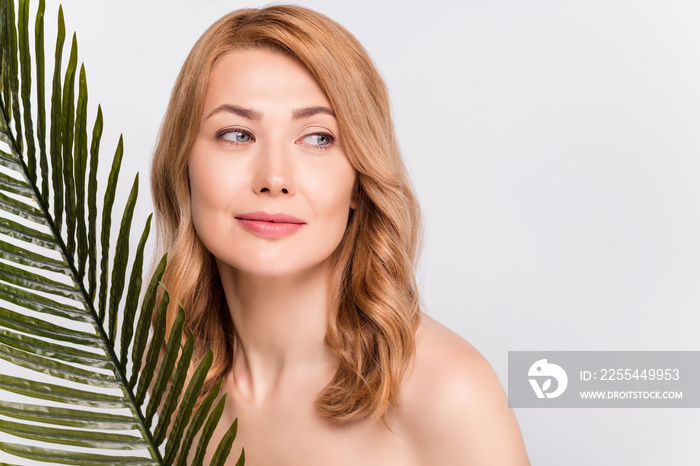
(254, 115)
(240, 111)
(311, 111)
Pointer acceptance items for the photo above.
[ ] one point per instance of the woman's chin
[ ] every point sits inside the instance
(267, 269)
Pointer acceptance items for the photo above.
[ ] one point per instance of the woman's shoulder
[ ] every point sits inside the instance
(452, 407)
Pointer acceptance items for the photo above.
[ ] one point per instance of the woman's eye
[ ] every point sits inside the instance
(320, 140)
(236, 136)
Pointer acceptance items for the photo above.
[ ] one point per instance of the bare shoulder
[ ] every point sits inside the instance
(452, 408)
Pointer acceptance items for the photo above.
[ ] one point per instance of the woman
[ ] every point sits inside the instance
(292, 234)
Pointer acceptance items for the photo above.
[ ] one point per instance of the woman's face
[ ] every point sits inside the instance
(270, 184)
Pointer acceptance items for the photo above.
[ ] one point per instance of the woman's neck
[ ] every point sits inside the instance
(281, 326)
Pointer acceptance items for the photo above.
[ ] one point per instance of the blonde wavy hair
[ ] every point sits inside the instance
(374, 304)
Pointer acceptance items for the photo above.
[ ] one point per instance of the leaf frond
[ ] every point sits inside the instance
(78, 338)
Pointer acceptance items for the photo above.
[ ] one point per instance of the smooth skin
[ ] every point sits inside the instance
(269, 142)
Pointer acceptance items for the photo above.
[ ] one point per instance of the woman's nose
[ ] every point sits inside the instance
(274, 174)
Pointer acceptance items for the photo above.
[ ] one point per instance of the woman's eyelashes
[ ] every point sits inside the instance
(238, 136)
(235, 136)
(318, 140)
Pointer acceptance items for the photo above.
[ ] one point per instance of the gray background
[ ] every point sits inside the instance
(554, 148)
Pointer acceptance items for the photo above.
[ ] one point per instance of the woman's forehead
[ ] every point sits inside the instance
(261, 78)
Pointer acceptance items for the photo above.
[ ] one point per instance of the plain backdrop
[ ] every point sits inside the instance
(554, 147)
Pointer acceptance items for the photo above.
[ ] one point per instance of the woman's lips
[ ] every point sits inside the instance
(271, 225)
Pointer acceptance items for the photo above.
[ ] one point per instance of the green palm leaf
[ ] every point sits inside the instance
(92, 382)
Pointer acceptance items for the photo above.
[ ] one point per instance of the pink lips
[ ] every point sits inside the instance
(272, 225)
